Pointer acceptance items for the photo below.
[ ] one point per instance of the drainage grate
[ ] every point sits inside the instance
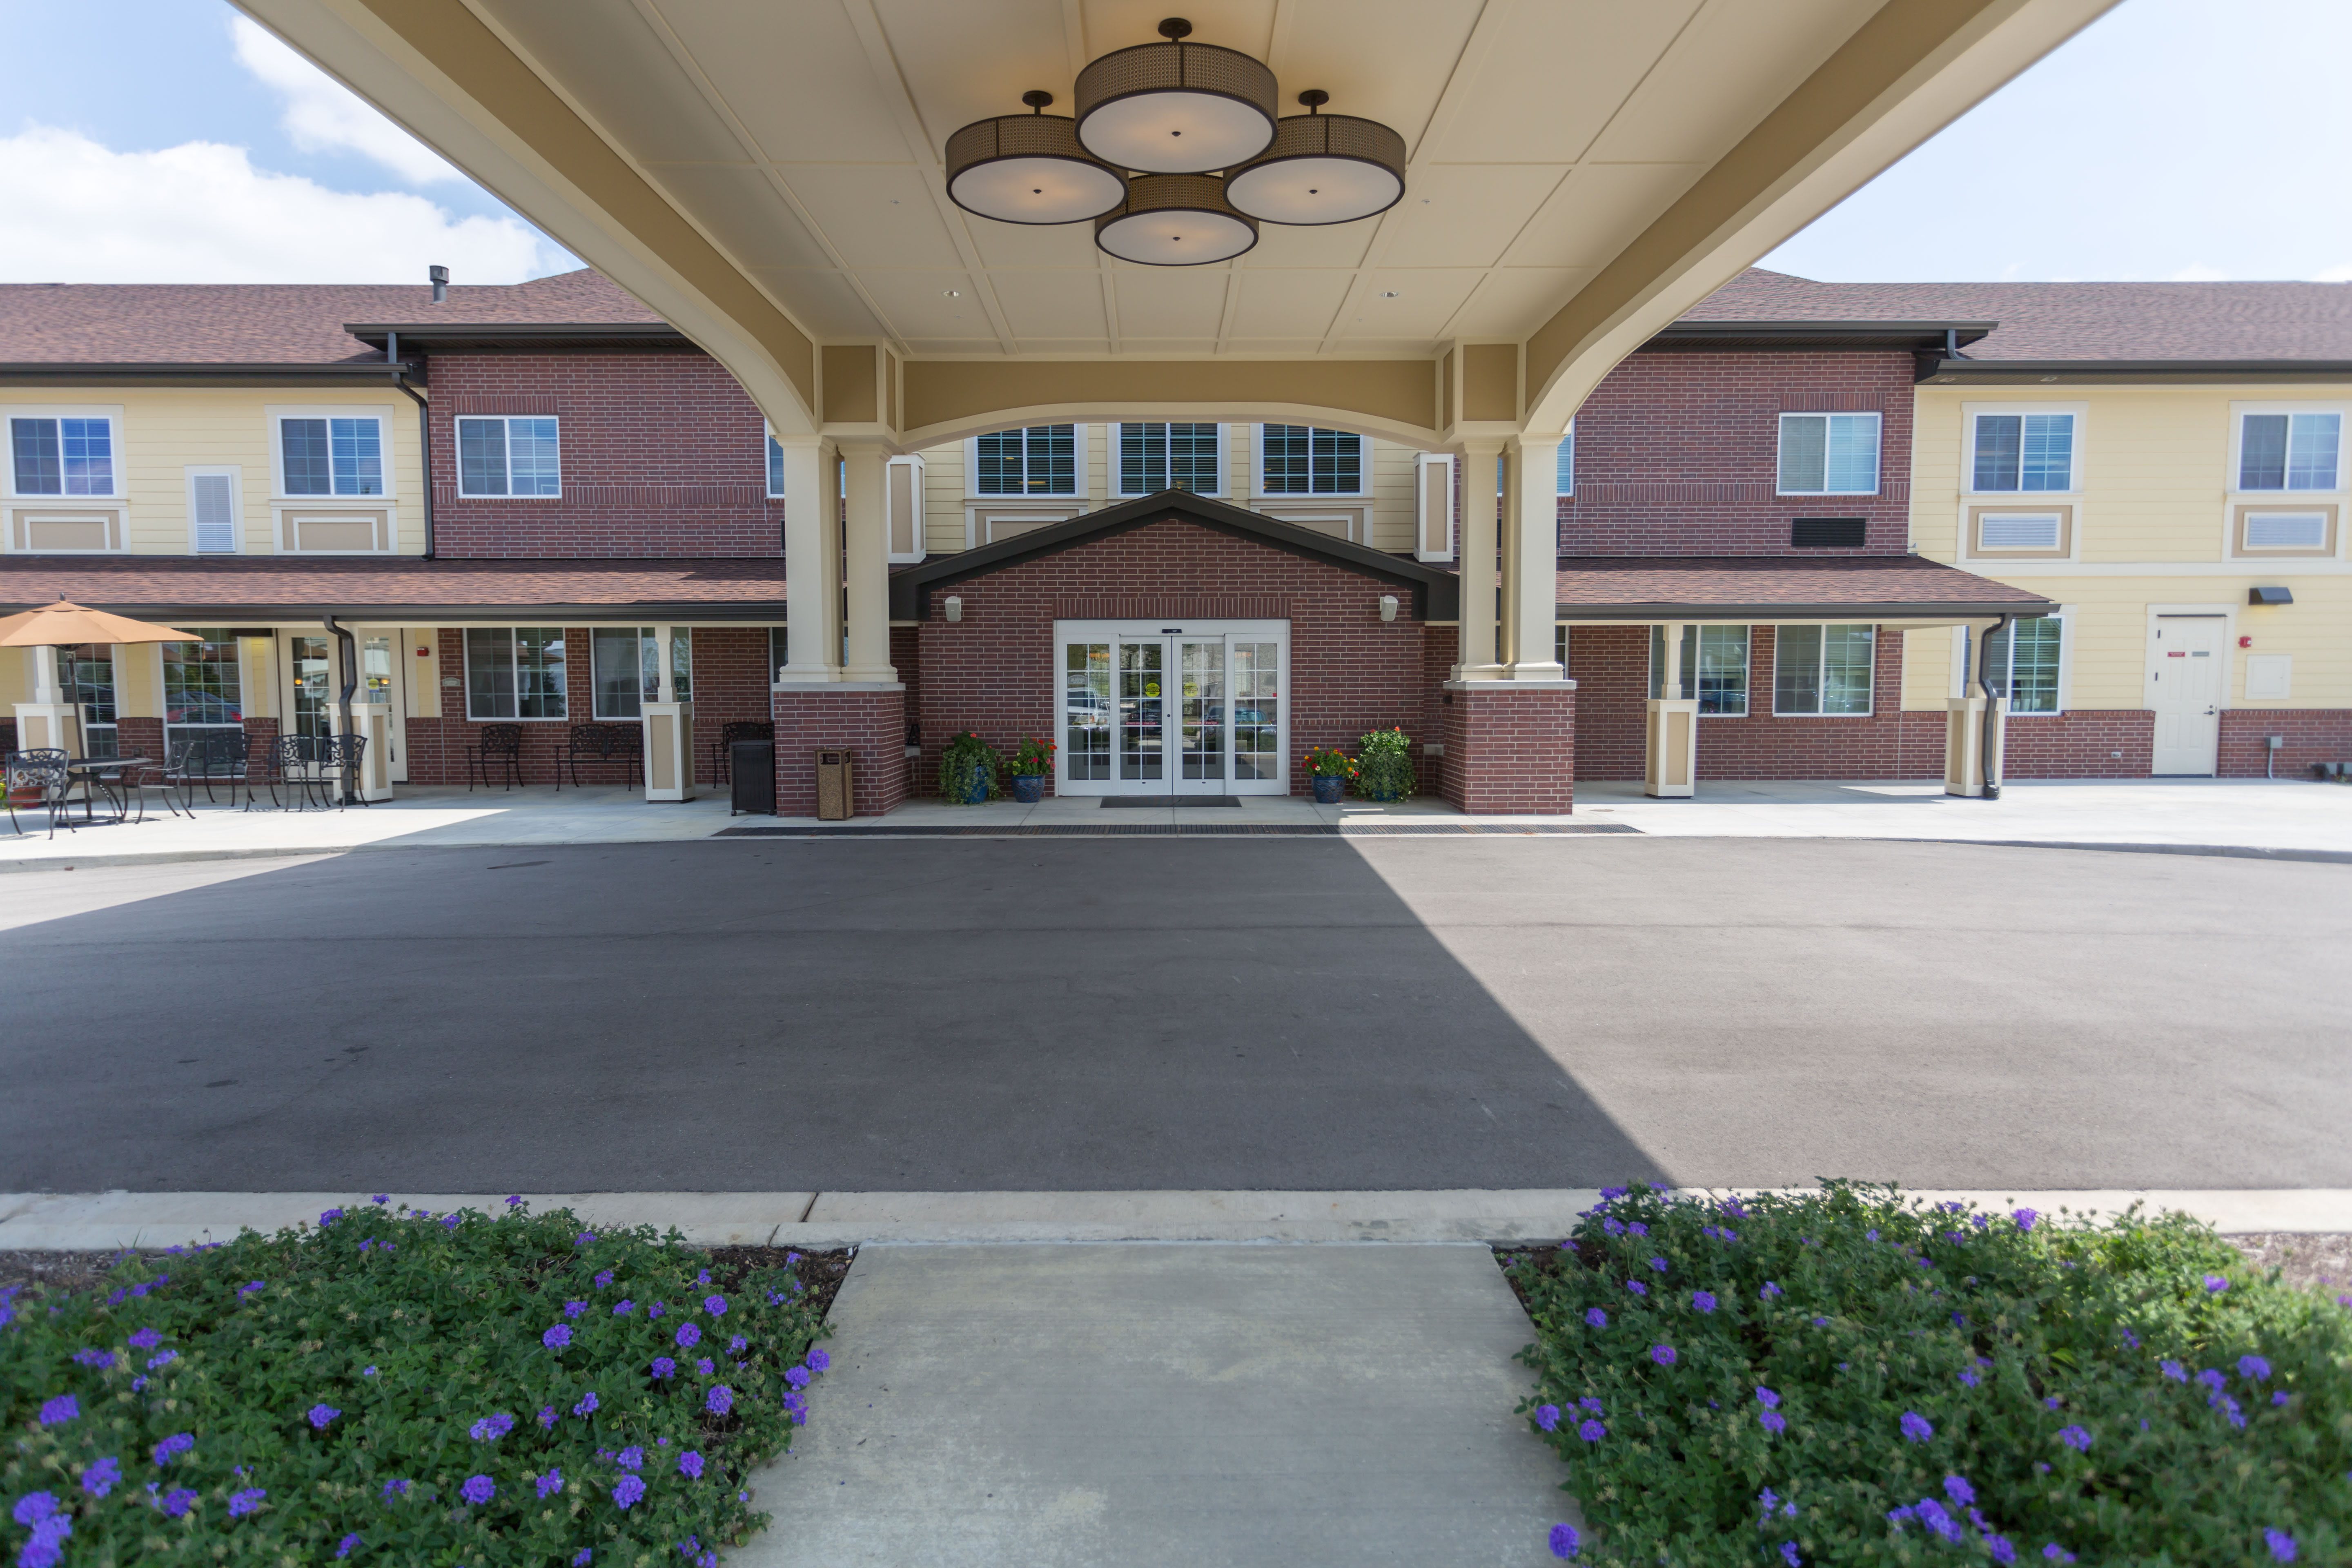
(1186, 829)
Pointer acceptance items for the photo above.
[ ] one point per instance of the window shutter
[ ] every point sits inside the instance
(212, 513)
(902, 497)
(1434, 506)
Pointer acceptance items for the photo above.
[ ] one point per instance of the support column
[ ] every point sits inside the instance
(1976, 726)
(669, 728)
(1670, 740)
(812, 562)
(1531, 559)
(48, 722)
(1476, 656)
(867, 539)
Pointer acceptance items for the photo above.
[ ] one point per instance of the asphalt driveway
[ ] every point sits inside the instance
(1170, 1013)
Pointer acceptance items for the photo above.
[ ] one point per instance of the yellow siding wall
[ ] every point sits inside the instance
(166, 431)
(2154, 494)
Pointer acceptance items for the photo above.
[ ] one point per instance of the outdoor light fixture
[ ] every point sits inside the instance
(1321, 168)
(1194, 124)
(1174, 220)
(2270, 596)
(1176, 107)
(1029, 168)
(954, 606)
(1388, 607)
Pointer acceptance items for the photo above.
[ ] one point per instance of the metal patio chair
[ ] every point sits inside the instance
(496, 746)
(722, 751)
(304, 764)
(38, 777)
(221, 756)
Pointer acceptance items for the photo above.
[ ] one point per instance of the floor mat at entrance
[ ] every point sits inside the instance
(1155, 802)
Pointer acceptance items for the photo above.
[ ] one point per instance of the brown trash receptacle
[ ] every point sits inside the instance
(832, 785)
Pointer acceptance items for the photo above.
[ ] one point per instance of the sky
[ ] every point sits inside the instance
(173, 141)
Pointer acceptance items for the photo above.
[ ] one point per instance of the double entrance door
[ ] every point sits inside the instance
(1198, 709)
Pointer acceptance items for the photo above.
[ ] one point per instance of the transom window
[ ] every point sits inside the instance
(2289, 451)
(1829, 453)
(1036, 461)
(515, 672)
(2022, 663)
(510, 456)
(62, 456)
(1714, 663)
(329, 457)
(626, 662)
(1823, 670)
(2023, 452)
(1299, 460)
(1153, 458)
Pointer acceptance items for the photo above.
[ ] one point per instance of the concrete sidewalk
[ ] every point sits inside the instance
(1203, 1406)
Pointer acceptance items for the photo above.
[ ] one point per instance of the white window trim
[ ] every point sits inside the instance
(2281, 497)
(2022, 498)
(110, 413)
(466, 678)
(189, 475)
(458, 458)
(972, 491)
(1877, 634)
(1117, 438)
(277, 414)
(1258, 471)
(1780, 438)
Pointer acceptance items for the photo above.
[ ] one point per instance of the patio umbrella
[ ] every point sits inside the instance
(65, 625)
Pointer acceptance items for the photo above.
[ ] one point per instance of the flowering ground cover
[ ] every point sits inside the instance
(397, 1386)
(1849, 1378)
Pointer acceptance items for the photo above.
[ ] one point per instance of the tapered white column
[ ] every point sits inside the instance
(812, 562)
(1670, 742)
(866, 541)
(42, 723)
(669, 727)
(1531, 559)
(1476, 658)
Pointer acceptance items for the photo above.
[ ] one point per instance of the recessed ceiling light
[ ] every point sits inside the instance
(952, 293)
(1388, 293)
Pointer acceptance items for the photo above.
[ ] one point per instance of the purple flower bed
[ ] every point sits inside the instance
(1847, 1378)
(395, 1386)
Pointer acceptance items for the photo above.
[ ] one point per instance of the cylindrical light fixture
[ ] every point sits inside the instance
(1321, 168)
(1174, 220)
(1176, 107)
(1029, 168)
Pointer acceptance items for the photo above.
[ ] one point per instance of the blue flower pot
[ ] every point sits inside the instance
(978, 793)
(1028, 788)
(1384, 794)
(1330, 791)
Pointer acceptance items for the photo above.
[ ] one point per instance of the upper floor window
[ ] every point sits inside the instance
(509, 456)
(1038, 460)
(1829, 453)
(2289, 451)
(2023, 452)
(1153, 458)
(776, 469)
(1564, 476)
(331, 457)
(62, 455)
(1300, 460)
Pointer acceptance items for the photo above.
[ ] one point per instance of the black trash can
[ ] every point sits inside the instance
(753, 765)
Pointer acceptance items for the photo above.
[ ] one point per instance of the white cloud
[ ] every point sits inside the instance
(200, 213)
(323, 115)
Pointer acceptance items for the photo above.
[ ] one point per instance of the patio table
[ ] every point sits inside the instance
(94, 772)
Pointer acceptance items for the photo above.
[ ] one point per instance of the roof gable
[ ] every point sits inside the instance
(1434, 589)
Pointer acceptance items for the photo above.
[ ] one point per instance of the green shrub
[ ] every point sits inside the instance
(398, 1387)
(966, 760)
(1844, 1377)
(1384, 766)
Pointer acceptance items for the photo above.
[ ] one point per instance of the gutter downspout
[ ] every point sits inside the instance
(351, 655)
(1984, 684)
(423, 429)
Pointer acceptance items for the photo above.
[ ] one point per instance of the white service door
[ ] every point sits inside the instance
(2184, 687)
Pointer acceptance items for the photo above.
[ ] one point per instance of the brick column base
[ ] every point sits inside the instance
(1510, 748)
(869, 720)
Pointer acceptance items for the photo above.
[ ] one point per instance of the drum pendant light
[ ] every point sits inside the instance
(1174, 220)
(1322, 169)
(1029, 168)
(1176, 107)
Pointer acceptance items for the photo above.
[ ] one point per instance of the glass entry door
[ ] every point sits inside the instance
(1192, 710)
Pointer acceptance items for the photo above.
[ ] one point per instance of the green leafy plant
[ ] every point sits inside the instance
(1849, 1378)
(1032, 758)
(401, 1387)
(967, 760)
(1385, 769)
(1331, 762)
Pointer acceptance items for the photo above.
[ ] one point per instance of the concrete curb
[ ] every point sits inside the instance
(100, 1221)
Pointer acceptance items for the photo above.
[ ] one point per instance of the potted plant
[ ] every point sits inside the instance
(1330, 768)
(968, 770)
(1385, 769)
(1033, 764)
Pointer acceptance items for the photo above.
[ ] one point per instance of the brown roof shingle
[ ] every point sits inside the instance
(272, 323)
(2109, 321)
(1861, 587)
(276, 586)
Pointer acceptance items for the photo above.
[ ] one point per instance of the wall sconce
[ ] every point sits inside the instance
(955, 609)
(2270, 596)
(1388, 607)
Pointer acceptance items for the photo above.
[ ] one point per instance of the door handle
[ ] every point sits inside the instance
(2211, 711)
